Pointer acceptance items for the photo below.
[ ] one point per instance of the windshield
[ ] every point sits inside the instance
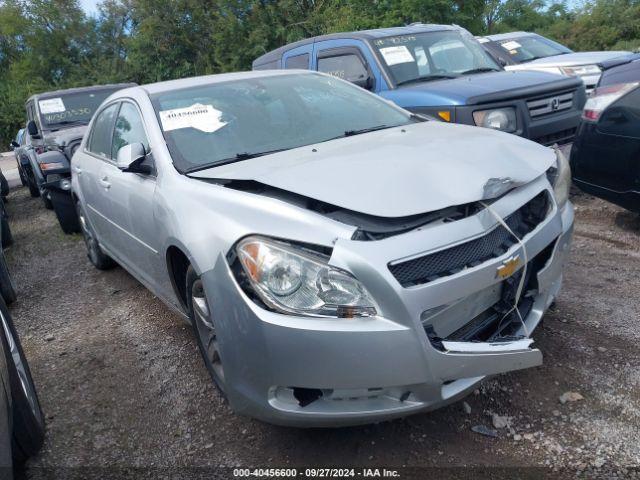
(532, 47)
(74, 108)
(229, 121)
(433, 55)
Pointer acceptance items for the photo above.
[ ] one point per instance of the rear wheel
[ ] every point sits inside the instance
(100, 260)
(6, 236)
(203, 326)
(28, 420)
(23, 178)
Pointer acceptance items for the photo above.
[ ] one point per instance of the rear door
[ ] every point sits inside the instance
(299, 57)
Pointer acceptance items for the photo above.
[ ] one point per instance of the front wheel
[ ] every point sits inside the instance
(100, 260)
(28, 420)
(203, 326)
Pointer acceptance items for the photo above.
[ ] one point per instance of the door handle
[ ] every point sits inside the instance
(104, 181)
(77, 169)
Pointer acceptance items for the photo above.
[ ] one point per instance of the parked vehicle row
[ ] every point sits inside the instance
(443, 71)
(530, 51)
(21, 419)
(346, 244)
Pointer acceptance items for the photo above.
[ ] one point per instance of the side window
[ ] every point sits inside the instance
(30, 112)
(347, 67)
(129, 129)
(101, 132)
(299, 61)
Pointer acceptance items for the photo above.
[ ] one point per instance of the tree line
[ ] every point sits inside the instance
(52, 44)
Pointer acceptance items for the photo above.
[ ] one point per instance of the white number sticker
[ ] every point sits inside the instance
(201, 117)
(51, 105)
(396, 55)
(512, 45)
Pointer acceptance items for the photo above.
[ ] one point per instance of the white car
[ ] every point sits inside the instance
(530, 51)
(342, 260)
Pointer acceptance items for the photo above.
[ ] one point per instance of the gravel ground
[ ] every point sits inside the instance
(122, 384)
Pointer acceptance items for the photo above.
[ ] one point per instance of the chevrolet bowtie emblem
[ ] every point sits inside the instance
(508, 267)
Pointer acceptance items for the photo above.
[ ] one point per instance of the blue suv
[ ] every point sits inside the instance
(443, 71)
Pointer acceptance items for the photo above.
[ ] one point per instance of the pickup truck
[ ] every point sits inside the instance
(443, 71)
(56, 122)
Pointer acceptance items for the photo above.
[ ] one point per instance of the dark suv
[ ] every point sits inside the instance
(441, 70)
(56, 122)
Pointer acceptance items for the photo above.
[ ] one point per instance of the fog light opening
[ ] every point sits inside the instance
(306, 396)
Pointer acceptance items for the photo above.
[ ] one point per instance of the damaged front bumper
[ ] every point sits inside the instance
(431, 344)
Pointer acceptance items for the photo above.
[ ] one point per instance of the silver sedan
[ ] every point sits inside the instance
(341, 260)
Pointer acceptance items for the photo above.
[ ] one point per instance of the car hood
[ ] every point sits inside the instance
(398, 172)
(65, 136)
(573, 59)
(465, 90)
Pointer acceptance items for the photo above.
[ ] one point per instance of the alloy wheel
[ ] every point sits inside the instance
(207, 332)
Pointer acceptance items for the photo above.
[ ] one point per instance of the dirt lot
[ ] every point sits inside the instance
(122, 384)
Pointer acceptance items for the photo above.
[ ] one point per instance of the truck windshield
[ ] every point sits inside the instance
(529, 48)
(71, 108)
(223, 122)
(433, 56)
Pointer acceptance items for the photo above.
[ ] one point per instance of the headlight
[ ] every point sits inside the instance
(499, 119)
(581, 70)
(560, 178)
(294, 281)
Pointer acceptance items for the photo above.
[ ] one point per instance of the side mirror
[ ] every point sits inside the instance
(130, 158)
(14, 144)
(502, 61)
(364, 82)
(32, 128)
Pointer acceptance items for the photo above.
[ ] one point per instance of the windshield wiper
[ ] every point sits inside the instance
(351, 133)
(238, 157)
(479, 70)
(426, 78)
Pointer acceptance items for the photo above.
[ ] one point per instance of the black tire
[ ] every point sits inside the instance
(23, 178)
(97, 257)
(46, 200)
(7, 236)
(4, 185)
(212, 362)
(28, 420)
(7, 285)
(34, 191)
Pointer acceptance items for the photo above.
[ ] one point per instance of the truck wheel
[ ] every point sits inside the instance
(23, 179)
(28, 420)
(31, 183)
(100, 260)
(7, 286)
(46, 200)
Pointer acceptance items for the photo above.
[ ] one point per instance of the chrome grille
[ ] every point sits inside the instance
(551, 104)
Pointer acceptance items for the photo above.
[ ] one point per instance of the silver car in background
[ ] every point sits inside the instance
(530, 51)
(341, 260)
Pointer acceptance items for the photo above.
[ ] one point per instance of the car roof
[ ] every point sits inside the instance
(359, 35)
(93, 88)
(508, 36)
(170, 85)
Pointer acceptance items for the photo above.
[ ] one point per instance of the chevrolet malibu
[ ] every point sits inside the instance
(342, 261)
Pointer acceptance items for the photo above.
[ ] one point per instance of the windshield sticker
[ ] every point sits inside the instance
(198, 116)
(396, 55)
(512, 45)
(51, 105)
